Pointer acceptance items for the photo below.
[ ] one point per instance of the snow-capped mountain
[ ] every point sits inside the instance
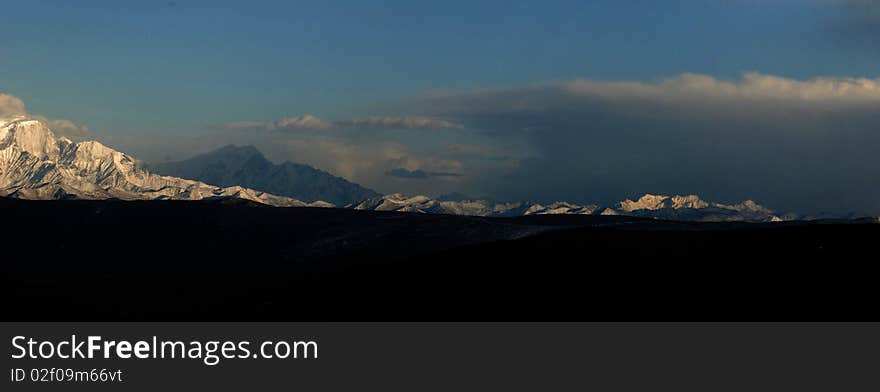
(34, 164)
(399, 202)
(689, 207)
(246, 166)
(692, 207)
(424, 204)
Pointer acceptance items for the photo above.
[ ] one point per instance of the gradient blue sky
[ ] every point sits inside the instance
(139, 69)
(133, 66)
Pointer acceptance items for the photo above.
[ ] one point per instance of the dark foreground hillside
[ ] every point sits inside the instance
(232, 260)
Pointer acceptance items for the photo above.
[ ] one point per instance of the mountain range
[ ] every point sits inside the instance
(690, 208)
(246, 166)
(34, 164)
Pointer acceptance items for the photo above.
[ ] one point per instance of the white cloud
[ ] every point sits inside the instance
(313, 123)
(804, 145)
(306, 122)
(693, 90)
(13, 106)
(63, 127)
(390, 122)
(752, 86)
(369, 162)
(428, 164)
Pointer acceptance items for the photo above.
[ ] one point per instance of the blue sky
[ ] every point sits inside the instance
(162, 70)
(130, 66)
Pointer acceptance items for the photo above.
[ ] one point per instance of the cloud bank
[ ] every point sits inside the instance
(803, 145)
(11, 106)
(313, 123)
(418, 174)
(693, 88)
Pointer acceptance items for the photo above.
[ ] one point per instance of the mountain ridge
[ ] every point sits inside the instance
(246, 166)
(677, 207)
(34, 164)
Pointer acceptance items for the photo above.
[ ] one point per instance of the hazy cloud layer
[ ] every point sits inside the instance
(377, 159)
(692, 89)
(753, 86)
(805, 145)
(13, 106)
(365, 161)
(10, 105)
(396, 123)
(418, 174)
(64, 127)
(313, 123)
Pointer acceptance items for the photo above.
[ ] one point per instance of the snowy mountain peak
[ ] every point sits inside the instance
(34, 164)
(646, 202)
(92, 150)
(403, 199)
(424, 204)
(656, 202)
(30, 136)
(401, 203)
(689, 208)
(689, 201)
(750, 205)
